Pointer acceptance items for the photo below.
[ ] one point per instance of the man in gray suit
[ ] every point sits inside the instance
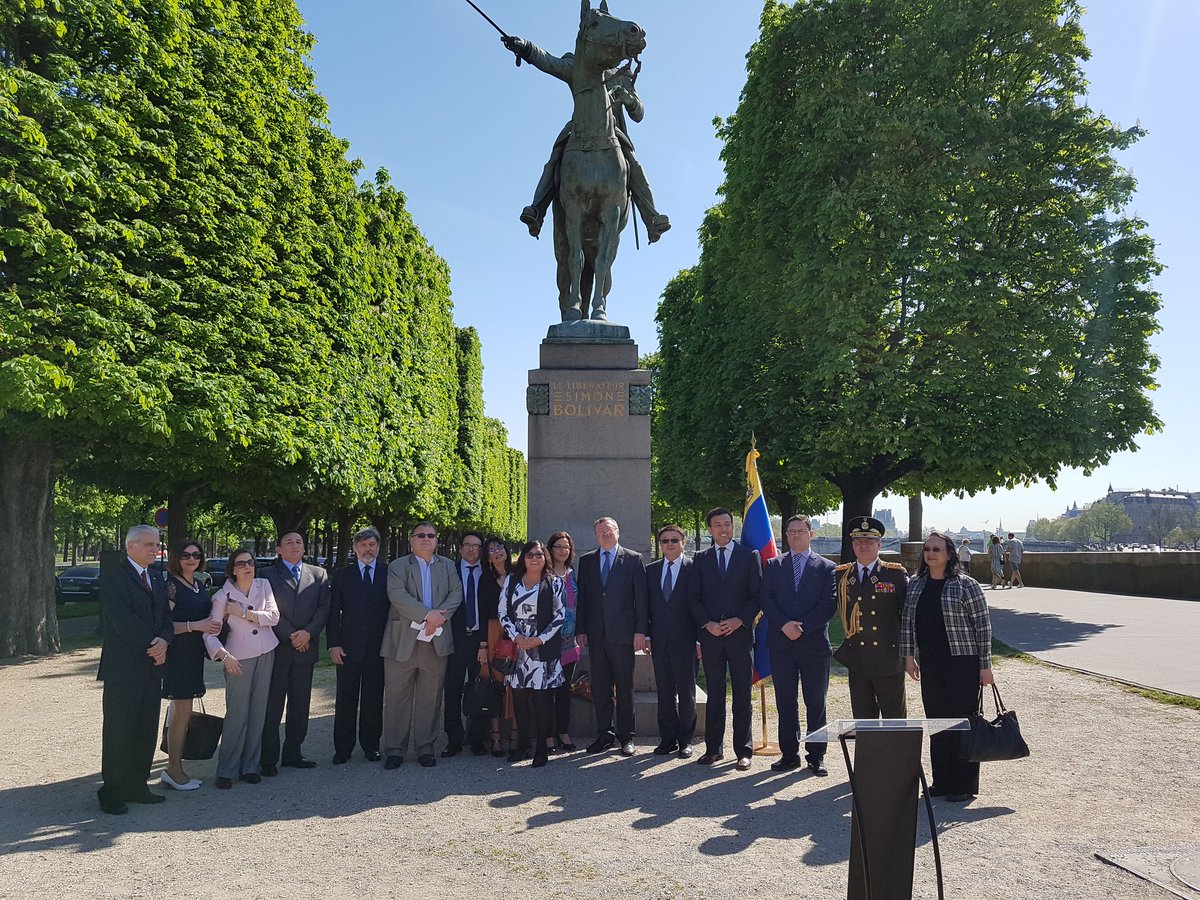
(302, 595)
(424, 590)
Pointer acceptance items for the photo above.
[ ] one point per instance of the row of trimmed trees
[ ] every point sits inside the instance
(199, 301)
(920, 277)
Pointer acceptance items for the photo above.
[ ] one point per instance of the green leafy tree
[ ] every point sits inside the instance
(921, 276)
(1103, 521)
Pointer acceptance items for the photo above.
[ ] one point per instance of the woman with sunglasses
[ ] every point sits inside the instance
(248, 606)
(497, 565)
(945, 623)
(531, 614)
(562, 558)
(183, 680)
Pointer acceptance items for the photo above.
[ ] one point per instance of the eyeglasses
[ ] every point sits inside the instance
(495, 550)
(560, 546)
(425, 535)
(191, 554)
(471, 545)
(668, 540)
(535, 554)
(799, 531)
(244, 564)
(933, 549)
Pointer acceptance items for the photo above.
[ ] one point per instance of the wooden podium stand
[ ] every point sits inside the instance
(884, 777)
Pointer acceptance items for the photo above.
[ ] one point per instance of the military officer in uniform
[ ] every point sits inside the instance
(871, 595)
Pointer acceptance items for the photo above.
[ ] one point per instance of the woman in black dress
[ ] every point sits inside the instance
(496, 569)
(183, 680)
(945, 624)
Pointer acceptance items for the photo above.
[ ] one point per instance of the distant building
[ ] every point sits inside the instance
(885, 516)
(1154, 513)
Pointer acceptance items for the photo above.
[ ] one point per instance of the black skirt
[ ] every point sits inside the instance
(184, 676)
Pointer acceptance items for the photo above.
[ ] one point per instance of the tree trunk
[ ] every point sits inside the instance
(916, 524)
(345, 524)
(384, 525)
(28, 620)
(291, 518)
(177, 517)
(858, 500)
(786, 504)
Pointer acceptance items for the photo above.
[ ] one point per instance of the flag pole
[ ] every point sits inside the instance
(766, 748)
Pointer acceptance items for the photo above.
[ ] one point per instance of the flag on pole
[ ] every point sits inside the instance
(757, 535)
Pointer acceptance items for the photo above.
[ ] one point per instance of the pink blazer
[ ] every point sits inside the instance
(246, 639)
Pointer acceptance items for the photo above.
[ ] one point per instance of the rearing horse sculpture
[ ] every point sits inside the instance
(592, 202)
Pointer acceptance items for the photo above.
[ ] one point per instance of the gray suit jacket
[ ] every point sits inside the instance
(303, 606)
(404, 593)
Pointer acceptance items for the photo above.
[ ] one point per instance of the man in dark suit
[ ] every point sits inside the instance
(871, 594)
(462, 666)
(611, 621)
(798, 599)
(137, 630)
(302, 594)
(673, 643)
(723, 596)
(358, 613)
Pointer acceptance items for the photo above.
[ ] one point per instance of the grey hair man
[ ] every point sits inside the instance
(137, 630)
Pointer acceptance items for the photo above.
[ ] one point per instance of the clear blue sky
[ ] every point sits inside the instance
(426, 90)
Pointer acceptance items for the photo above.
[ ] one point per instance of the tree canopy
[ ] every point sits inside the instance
(921, 275)
(201, 302)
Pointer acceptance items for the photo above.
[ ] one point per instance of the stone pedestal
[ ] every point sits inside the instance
(589, 436)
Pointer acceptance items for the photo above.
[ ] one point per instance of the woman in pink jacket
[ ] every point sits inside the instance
(248, 606)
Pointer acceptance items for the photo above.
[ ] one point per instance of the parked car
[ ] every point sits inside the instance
(78, 583)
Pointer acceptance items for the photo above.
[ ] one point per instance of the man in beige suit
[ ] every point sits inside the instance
(424, 591)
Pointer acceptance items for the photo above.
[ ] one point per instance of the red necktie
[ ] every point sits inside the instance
(146, 582)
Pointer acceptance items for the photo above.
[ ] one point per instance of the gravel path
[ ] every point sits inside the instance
(1110, 770)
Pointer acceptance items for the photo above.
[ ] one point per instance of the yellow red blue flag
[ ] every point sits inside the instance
(758, 535)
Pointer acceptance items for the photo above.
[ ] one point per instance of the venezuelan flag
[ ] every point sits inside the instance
(757, 535)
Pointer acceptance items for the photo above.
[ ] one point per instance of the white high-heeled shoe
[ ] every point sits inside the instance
(190, 785)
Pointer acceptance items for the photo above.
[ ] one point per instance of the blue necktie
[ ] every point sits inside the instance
(667, 582)
(366, 573)
(721, 561)
(605, 567)
(296, 574)
(472, 613)
(797, 569)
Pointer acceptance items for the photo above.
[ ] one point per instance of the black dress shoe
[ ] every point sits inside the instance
(786, 764)
(340, 760)
(565, 746)
(268, 772)
(817, 767)
(250, 777)
(627, 748)
(147, 797)
(113, 807)
(427, 760)
(224, 784)
(393, 762)
(743, 763)
(666, 748)
(959, 798)
(452, 750)
(685, 752)
(479, 750)
(373, 756)
(599, 745)
(935, 791)
(539, 760)
(301, 763)
(516, 756)
(709, 758)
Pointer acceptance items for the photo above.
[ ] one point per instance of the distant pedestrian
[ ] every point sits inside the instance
(996, 553)
(1015, 550)
(964, 556)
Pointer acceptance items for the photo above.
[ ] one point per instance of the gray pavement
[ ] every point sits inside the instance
(1143, 640)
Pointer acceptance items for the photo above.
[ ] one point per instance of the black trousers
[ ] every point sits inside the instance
(950, 688)
(461, 666)
(358, 708)
(291, 684)
(535, 719)
(612, 668)
(562, 700)
(129, 733)
(872, 695)
(794, 673)
(675, 681)
(734, 653)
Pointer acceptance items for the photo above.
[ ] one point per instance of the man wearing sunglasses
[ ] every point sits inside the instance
(673, 644)
(424, 590)
(302, 594)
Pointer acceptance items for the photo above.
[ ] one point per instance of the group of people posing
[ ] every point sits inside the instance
(413, 638)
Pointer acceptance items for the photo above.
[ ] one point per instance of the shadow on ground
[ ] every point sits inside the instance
(1035, 631)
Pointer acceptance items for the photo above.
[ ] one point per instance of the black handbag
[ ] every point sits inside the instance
(203, 735)
(995, 739)
(484, 697)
